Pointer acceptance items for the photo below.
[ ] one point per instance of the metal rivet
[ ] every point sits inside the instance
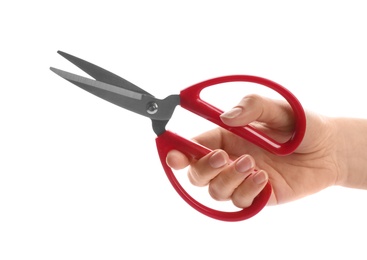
(152, 108)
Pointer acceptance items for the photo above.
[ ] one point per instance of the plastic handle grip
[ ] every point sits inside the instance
(169, 141)
(190, 100)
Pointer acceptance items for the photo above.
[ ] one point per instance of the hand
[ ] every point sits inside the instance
(238, 170)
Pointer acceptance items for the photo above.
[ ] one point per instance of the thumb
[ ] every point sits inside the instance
(273, 113)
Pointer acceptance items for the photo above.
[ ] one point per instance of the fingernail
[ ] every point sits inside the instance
(217, 160)
(233, 113)
(244, 164)
(260, 177)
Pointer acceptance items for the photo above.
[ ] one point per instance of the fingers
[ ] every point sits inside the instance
(224, 184)
(177, 160)
(207, 168)
(238, 181)
(244, 195)
(275, 113)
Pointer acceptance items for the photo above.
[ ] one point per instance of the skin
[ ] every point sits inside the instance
(333, 152)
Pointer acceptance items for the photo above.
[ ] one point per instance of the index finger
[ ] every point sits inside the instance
(211, 139)
(177, 160)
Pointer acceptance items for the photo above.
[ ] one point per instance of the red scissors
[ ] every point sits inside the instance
(125, 94)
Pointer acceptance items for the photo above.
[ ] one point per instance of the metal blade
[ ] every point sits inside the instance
(94, 84)
(143, 104)
(101, 74)
(116, 95)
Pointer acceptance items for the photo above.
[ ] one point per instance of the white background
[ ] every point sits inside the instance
(80, 178)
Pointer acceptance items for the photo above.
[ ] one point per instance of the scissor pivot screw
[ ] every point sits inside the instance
(152, 108)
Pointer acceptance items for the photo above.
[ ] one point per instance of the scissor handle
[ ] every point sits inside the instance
(169, 141)
(190, 100)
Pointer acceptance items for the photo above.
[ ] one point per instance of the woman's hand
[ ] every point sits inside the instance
(238, 170)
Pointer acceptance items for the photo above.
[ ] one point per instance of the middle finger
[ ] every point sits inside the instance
(224, 184)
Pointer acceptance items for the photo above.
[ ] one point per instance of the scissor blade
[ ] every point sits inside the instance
(127, 99)
(101, 74)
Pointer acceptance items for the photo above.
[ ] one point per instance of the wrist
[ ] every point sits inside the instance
(351, 152)
(340, 151)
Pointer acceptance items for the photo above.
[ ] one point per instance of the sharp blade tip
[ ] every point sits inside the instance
(63, 54)
(61, 73)
(54, 70)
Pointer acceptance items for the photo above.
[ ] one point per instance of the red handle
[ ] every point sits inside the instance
(190, 100)
(169, 141)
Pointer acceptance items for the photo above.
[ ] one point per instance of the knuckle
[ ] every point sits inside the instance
(241, 200)
(195, 178)
(217, 191)
(256, 104)
(251, 99)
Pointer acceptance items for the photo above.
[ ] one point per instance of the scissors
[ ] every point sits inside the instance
(123, 93)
